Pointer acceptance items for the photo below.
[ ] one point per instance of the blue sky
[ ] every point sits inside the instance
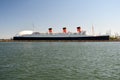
(18, 15)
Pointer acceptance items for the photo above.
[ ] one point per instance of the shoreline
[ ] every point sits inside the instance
(11, 40)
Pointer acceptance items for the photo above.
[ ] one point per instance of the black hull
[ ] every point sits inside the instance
(63, 38)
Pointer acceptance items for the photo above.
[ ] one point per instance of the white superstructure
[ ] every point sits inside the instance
(29, 33)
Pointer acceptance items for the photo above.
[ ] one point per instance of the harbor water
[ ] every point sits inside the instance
(59, 60)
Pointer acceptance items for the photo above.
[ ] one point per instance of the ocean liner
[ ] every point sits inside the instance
(79, 35)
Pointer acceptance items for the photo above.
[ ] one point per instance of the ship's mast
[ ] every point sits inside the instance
(33, 27)
(93, 30)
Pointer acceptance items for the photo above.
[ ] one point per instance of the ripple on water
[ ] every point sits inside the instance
(59, 61)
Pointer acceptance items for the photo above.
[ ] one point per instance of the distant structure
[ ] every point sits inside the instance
(108, 32)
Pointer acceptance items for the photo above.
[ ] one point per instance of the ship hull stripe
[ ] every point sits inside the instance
(63, 38)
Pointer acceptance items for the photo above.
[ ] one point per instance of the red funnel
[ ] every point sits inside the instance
(79, 29)
(64, 30)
